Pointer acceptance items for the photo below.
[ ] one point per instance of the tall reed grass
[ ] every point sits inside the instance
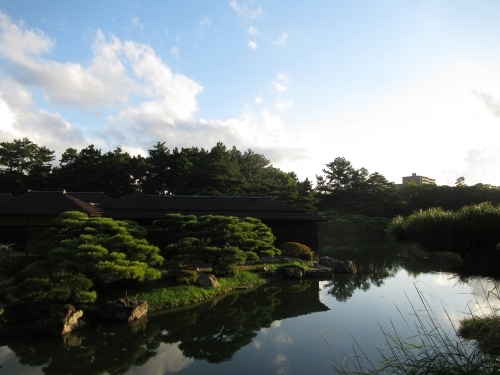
(430, 348)
(471, 229)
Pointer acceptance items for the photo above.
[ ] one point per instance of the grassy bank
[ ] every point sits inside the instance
(179, 295)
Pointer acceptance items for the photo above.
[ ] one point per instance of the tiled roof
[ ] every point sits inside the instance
(47, 203)
(91, 197)
(142, 206)
(5, 197)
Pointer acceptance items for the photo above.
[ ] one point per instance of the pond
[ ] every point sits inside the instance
(277, 328)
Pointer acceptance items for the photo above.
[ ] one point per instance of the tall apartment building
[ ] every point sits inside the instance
(420, 180)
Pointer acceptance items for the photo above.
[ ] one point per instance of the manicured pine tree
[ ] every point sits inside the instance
(81, 252)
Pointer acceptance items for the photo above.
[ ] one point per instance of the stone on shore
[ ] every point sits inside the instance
(338, 266)
(57, 320)
(291, 272)
(207, 280)
(124, 309)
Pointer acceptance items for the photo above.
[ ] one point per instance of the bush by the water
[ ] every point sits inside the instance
(81, 251)
(266, 253)
(470, 230)
(296, 250)
(185, 276)
(251, 256)
(224, 241)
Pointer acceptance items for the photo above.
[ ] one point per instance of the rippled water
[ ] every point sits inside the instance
(273, 329)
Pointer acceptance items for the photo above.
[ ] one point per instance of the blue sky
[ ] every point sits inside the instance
(396, 87)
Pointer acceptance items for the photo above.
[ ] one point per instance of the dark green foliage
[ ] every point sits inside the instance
(296, 250)
(225, 269)
(7, 258)
(473, 232)
(351, 191)
(188, 171)
(115, 173)
(266, 253)
(484, 329)
(356, 196)
(251, 256)
(60, 286)
(186, 276)
(222, 171)
(24, 166)
(81, 251)
(221, 240)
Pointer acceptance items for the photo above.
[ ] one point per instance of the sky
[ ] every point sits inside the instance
(396, 87)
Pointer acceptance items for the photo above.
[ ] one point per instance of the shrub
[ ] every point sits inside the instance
(296, 250)
(251, 256)
(81, 252)
(186, 276)
(225, 270)
(266, 253)
(471, 229)
(221, 240)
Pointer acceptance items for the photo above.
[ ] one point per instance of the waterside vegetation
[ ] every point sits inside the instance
(428, 349)
(472, 232)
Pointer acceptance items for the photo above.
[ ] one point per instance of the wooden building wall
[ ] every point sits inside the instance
(20, 230)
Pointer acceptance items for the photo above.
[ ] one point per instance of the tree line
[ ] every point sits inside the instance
(344, 191)
(187, 171)
(341, 190)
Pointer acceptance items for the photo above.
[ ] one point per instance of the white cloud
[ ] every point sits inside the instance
(252, 45)
(174, 51)
(283, 104)
(258, 99)
(169, 359)
(103, 83)
(146, 101)
(205, 22)
(281, 40)
(136, 23)
(283, 77)
(203, 25)
(39, 125)
(253, 30)
(19, 44)
(281, 86)
(490, 103)
(244, 11)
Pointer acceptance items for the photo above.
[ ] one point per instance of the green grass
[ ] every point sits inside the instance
(485, 330)
(276, 266)
(179, 295)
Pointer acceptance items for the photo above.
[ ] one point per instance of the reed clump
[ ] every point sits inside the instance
(430, 348)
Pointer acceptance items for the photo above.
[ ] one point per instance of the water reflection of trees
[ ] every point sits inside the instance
(213, 331)
(216, 331)
(343, 286)
(109, 349)
(377, 261)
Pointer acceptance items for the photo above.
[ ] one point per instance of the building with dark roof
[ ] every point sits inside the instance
(23, 218)
(288, 223)
(91, 197)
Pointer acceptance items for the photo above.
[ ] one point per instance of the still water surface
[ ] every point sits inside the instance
(273, 329)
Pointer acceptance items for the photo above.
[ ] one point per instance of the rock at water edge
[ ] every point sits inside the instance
(57, 320)
(209, 280)
(124, 309)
